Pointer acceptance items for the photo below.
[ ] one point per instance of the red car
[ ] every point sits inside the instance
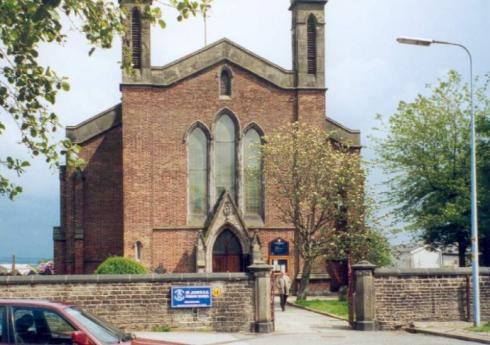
(42, 322)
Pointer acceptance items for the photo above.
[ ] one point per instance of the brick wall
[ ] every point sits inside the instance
(137, 303)
(404, 296)
(91, 207)
(154, 152)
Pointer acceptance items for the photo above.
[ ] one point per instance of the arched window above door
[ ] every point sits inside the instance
(225, 156)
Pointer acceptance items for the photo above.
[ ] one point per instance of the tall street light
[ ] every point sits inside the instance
(474, 211)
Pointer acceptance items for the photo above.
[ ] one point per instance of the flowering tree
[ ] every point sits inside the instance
(318, 183)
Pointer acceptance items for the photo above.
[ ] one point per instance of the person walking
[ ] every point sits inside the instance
(283, 285)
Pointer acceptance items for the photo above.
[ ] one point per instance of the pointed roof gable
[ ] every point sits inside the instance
(222, 50)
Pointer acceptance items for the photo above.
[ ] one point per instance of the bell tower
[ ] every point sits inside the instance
(137, 40)
(308, 38)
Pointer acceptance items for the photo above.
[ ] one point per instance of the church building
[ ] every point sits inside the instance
(164, 180)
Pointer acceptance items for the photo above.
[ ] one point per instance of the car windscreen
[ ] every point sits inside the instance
(99, 329)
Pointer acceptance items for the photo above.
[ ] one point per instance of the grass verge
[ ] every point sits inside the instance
(338, 308)
(483, 328)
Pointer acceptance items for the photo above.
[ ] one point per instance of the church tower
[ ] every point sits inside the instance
(137, 41)
(308, 36)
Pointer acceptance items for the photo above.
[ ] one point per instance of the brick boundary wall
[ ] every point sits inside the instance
(390, 299)
(141, 302)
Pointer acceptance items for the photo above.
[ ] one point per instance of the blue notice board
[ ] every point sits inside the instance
(279, 248)
(191, 297)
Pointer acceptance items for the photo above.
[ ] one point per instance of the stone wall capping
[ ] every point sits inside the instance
(95, 125)
(125, 278)
(363, 265)
(461, 271)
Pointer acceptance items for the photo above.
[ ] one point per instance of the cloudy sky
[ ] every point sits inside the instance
(367, 73)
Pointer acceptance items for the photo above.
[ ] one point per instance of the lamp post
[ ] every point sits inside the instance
(474, 211)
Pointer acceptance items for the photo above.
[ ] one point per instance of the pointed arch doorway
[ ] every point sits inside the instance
(227, 253)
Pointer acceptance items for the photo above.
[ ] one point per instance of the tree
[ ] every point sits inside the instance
(426, 154)
(318, 183)
(369, 244)
(484, 189)
(28, 89)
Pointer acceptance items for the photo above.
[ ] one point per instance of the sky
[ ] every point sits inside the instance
(367, 73)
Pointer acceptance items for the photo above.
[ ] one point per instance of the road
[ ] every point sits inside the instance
(297, 326)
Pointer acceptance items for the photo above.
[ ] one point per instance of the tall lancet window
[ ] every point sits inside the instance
(198, 174)
(311, 45)
(252, 166)
(225, 83)
(225, 156)
(136, 38)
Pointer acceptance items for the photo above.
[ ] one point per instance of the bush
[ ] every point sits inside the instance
(120, 265)
(161, 328)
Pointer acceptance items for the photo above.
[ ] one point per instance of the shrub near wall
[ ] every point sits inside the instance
(142, 302)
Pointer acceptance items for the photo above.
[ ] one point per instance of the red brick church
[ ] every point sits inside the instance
(164, 179)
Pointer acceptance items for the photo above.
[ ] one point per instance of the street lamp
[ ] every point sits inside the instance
(474, 211)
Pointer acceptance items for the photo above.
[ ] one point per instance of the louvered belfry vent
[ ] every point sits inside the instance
(136, 37)
(225, 83)
(312, 53)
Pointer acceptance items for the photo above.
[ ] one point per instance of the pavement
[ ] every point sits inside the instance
(298, 326)
(455, 329)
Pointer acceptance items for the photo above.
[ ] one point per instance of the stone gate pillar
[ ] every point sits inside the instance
(263, 302)
(364, 299)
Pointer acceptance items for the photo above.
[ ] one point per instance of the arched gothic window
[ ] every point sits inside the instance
(252, 176)
(225, 156)
(225, 83)
(311, 45)
(198, 173)
(136, 38)
(138, 251)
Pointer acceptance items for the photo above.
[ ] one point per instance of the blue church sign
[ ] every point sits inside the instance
(279, 247)
(191, 297)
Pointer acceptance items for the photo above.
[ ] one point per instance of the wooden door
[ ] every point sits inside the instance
(227, 253)
(227, 263)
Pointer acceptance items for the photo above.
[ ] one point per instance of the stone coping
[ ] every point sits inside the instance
(462, 271)
(124, 278)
